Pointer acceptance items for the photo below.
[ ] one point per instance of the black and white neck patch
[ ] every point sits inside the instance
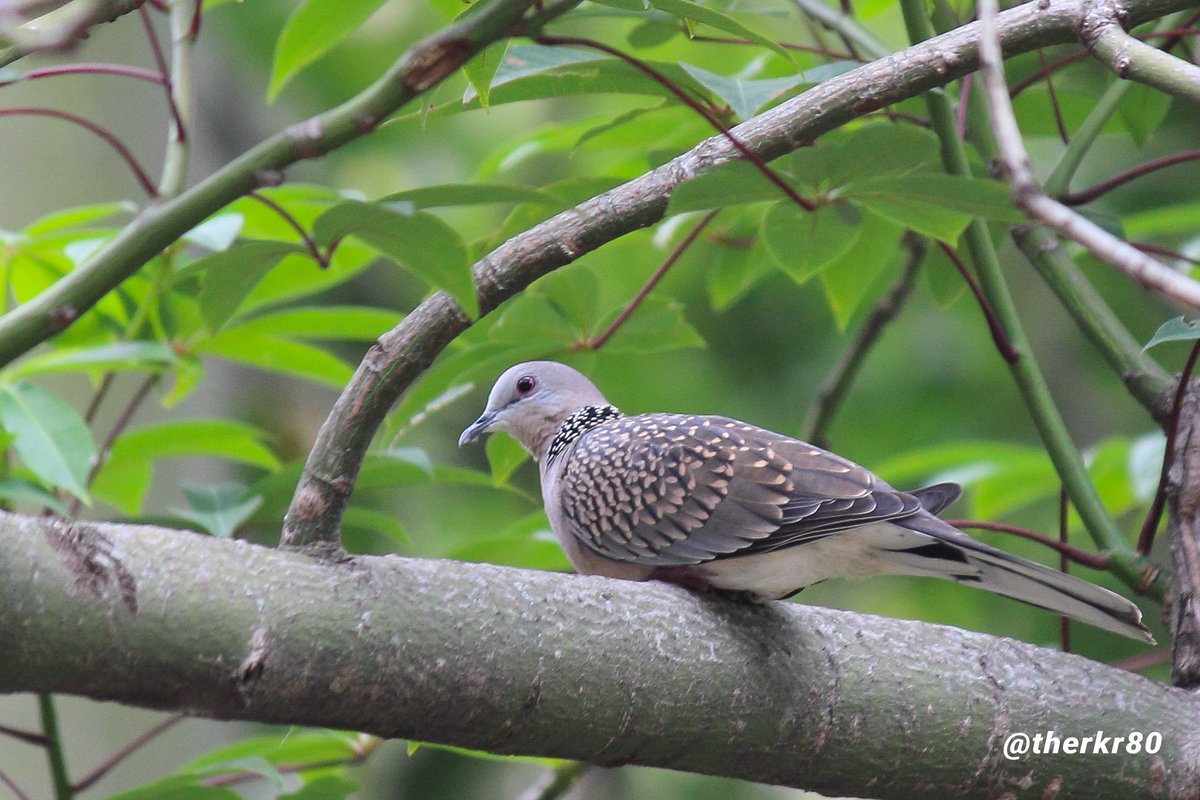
(576, 425)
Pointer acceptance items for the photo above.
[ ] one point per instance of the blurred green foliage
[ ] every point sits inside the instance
(748, 322)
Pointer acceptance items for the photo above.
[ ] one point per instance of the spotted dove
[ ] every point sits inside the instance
(711, 502)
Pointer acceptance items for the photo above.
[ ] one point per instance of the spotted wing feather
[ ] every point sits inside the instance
(670, 489)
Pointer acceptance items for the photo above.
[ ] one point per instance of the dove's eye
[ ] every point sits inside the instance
(525, 385)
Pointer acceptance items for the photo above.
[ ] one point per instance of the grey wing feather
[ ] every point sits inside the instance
(669, 489)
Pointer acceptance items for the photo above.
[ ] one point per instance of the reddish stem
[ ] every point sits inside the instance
(597, 342)
(804, 48)
(1165, 252)
(102, 132)
(129, 749)
(322, 259)
(1097, 561)
(90, 69)
(1058, 117)
(161, 61)
(1092, 192)
(1008, 350)
(683, 97)
(1154, 514)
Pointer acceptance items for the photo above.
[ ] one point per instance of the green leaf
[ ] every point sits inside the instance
(504, 455)
(1178, 329)
(718, 20)
(732, 183)
(217, 508)
(294, 747)
(977, 197)
(745, 97)
(230, 275)
(78, 217)
(420, 242)
(399, 466)
(469, 194)
(531, 317)
(18, 490)
(736, 260)
(848, 279)
(942, 277)
(804, 242)
(939, 223)
(333, 323)
(885, 149)
(369, 520)
(657, 324)
(125, 477)
(999, 476)
(218, 232)
(149, 356)
(49, 436)
(311, 30)
(481, 68)
(1142, 109)
(177, 787)
(526, 543)
(278, 355)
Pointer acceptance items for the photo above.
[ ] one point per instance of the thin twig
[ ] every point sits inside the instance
(683, 97)
(596, 342)
(1092, 192)
(1141, 661)
(1037, 204)
(310, 244)
(1154, 514)
(1098, 561)
(1008, 351)
(129, 749)
(964, 97)
(121, 70)
(122, 421)
(99, 130)
(829, 396)
(1174, 37)
(161, 62)
(1058, 117)
(1165, 252)
(1044, 71)
(804, 48)
(16, 790)
(29, 737)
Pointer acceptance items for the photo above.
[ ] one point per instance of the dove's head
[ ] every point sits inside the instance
(530, 401)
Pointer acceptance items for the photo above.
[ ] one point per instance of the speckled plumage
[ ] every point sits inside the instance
(708, 501)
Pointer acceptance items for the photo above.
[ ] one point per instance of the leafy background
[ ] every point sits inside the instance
(237, 339)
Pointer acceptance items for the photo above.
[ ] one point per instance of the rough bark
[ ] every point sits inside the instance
(608, 672)
(1183, 531)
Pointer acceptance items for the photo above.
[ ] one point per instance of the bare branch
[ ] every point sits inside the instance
(1028, 195)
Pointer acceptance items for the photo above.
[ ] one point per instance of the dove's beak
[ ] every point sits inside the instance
(477, 428)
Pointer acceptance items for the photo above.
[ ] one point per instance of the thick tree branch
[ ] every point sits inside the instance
(404, 352)
(1132, 59)
(61, 27)
(586, 668)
